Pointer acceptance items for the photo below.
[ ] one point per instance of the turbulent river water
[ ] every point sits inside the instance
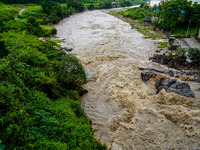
(126, 113)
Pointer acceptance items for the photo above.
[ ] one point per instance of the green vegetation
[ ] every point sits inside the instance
(40, 85)
(137, 24)
(182, 52)
(181, 32)
(99, 4)
(138, 13)
(194, 55)
(7, 14)
(173, 16)
(162, 44)
(79, 5)
(172, 47)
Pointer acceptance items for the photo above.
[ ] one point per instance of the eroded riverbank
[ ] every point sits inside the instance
(125, 112)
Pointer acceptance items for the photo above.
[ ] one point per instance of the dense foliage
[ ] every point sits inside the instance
(32, 1)
(175, 16)
(172, 15)
(139, 13)
(52, 12)
(194, 55)
(39, 86)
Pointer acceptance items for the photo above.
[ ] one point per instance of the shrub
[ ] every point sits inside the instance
(162, 44)
(173, 47)
(3, 51)
(194, 55)
(7, 14)
(76, 5)
(71, 71)
(182, 52)
(91, 6)
(20, 17)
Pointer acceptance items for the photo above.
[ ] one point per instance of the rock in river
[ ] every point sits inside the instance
(162, 80)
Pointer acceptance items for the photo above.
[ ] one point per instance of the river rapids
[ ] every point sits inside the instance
(126, 113)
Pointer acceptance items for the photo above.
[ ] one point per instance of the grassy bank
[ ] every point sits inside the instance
(148, 31)
(39, 84)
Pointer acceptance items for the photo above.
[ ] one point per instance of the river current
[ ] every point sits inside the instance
(126, 113)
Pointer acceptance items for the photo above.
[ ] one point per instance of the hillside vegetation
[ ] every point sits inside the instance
(173, 16)
(39, 84)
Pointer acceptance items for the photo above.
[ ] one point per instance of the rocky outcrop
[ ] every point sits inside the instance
(172, 85)
(172, 61)
(89, 75)
(185, 75)
(168, 80)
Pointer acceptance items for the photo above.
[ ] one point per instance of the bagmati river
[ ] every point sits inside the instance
(126, 113)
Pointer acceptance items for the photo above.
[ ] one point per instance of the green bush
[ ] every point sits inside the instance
(47, 30)
(172, 47)
(3, 51)
(76, 5)
(162, 44)
(138, 13)
(71, 71)
(34, 11)
(91, 6)
(20, 17)
(125, 3)
(194, 55)
(182, 52)
(7, 14)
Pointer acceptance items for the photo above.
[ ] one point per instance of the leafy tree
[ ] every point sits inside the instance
(91, 6)
(194, 15)
(76, 5)
(107, 4)
(47, 6)
(3, 51)
(172, 14)
(194, 55)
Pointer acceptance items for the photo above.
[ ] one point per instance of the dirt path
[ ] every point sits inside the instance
(20, 12)
(125, 112)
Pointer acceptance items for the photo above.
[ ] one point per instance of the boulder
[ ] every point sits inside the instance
(162, 79)
(171, 85)
(68, 49)
(90, 74)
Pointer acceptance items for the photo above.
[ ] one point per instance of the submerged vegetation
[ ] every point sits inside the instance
(40, 85)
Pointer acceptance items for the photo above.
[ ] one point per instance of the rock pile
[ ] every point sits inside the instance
(172, 61)
(168, 80)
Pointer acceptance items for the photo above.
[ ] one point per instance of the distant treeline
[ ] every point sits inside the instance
(31, 1)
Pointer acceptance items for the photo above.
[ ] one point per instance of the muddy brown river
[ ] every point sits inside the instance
(126, 113)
